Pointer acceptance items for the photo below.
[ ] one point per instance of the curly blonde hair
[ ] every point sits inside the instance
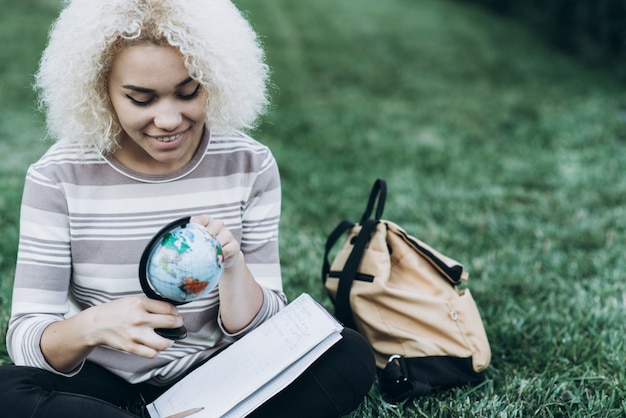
(220, 50)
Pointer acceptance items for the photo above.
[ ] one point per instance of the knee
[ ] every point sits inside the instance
(358, 359)
(13, 378)
(18, 391)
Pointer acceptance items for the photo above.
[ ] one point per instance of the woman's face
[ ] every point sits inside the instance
(161, 109)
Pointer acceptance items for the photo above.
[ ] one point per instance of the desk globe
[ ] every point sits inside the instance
(182, 263)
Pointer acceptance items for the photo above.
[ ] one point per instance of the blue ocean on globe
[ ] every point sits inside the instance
(186, 264)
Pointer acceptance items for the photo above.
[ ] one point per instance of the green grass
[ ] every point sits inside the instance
(497, 151)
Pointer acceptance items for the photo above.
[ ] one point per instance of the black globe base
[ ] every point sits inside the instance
(172, 333)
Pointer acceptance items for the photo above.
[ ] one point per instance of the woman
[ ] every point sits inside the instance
(146, 99)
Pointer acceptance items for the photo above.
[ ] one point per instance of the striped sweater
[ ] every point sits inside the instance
(85, 221)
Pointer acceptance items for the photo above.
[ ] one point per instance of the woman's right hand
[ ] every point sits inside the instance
(128, 324)
(125, 324)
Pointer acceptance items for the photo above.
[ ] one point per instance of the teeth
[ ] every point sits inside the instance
(167, 138)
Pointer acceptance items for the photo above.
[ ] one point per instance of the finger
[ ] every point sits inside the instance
(224, 237)
(165, 321)
(230, 248)
(217, 228)
(203, 220)
(159, 307)
(149, 344)
(140, 340)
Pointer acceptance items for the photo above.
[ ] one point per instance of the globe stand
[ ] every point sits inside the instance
(171, 333)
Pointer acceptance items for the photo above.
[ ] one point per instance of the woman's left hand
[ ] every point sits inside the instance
(230, 246)
(241, 296)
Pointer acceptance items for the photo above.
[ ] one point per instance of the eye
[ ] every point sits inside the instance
(140, 102)
(192, 95)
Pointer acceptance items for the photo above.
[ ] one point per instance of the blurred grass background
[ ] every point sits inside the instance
(499, 150)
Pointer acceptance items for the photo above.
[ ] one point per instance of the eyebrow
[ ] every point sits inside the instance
(147, 90)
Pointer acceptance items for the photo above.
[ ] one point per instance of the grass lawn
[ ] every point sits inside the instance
(498, 151)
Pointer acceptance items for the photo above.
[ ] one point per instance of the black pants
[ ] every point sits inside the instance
(333, 386)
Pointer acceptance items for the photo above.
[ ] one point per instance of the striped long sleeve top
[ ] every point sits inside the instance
(85, 220)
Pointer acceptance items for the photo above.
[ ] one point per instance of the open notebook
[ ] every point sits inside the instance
(254, 368)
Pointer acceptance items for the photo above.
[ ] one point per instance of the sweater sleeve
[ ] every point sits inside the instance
(259, 242)
(43, 270)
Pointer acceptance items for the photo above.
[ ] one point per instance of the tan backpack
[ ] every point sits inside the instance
(403, 297)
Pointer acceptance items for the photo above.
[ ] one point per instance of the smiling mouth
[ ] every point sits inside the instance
(168, 138)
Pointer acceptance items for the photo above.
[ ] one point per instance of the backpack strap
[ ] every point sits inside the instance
(330, 243)
(449, 269)
(378, 195)
(396, 384)
(343, 311)
(376, 200)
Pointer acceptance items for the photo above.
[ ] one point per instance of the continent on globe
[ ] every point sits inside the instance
(193, 286)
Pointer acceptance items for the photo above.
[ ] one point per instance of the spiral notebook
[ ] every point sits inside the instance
(254, 368)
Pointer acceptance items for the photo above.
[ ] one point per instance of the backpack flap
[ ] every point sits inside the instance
(442, 319)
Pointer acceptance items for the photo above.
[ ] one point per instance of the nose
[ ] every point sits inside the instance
(167, 116)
